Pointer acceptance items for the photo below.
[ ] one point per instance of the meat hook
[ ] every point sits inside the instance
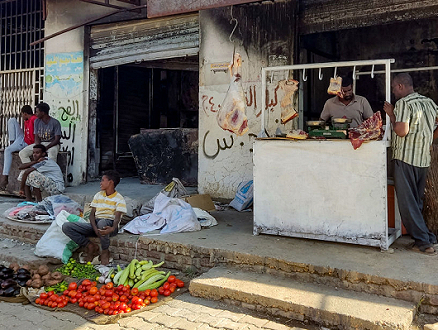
(372, 72)
(231, 22)
(304, 75)
(320, 74)
(334, 74)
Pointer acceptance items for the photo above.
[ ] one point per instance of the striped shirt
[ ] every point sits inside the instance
(420, 113)
(106, 206)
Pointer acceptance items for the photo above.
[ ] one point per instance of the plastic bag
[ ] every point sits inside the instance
(173, 189)
(60, 203)
(132, 210)
(14, 211)
(54, 243)
(205, 219)
(144, 224)
(244, 196)
(171, 215)
(179, 215)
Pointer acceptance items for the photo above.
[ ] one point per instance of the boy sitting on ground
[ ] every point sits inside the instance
(42, 174)
(107, 208)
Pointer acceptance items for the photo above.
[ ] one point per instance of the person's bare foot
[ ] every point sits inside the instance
(104, 257)
(91, 251)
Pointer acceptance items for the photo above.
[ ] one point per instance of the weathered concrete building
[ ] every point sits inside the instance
(163, 64)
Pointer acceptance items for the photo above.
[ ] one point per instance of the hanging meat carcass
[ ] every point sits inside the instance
(232, 114)
(335, 86)
(288, 111)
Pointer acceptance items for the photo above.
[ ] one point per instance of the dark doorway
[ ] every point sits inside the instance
(416, 52)
(135, 97)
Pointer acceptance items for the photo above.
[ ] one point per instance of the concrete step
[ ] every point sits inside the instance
(325, 305)
(21, 253)
(403, 275)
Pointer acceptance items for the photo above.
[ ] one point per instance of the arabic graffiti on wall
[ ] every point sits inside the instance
(63, 92)
(210, 106)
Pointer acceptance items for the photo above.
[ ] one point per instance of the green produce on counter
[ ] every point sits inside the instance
(78, 270)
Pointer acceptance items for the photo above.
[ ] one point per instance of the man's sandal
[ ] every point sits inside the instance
(429, 251)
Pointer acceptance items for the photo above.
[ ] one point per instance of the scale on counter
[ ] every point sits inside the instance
(338, 129)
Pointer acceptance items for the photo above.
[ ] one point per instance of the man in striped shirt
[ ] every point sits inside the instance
(413, 121)
(107, 208)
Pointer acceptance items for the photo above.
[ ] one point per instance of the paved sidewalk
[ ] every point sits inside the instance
(184, 312)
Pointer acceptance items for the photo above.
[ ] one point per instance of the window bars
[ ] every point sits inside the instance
(21, 65)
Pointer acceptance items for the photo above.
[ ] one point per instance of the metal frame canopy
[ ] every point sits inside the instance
(383, 62)
(345, 220)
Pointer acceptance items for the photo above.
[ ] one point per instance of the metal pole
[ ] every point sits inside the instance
(85, 23)
(262, 133)
(387, 135)
(327, 65)
(425, 68)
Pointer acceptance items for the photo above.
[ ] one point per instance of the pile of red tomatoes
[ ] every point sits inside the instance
(108, 300)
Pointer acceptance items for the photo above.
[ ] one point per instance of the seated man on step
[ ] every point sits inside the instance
(47, 132)
(42, 174)
(18, 140)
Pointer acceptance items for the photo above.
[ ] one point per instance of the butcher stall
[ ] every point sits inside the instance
(323, 188)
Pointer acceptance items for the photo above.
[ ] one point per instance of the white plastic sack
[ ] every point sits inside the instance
(54, 243)
(179, 215)
(144, 224)
(174, 189)
(204, 218)
(244, 196)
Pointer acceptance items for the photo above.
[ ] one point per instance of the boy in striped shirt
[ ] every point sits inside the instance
(107, 208)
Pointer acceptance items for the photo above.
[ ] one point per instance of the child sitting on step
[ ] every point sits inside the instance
(107, 208)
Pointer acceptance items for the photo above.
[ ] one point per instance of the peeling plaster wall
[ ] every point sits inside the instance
(264, 36)
(69, 102)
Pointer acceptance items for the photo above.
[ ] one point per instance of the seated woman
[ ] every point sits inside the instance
(42, 174)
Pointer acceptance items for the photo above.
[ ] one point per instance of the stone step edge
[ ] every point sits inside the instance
(303, 301)
(200, 259)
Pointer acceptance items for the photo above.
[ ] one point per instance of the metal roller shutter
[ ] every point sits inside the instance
(143, 40)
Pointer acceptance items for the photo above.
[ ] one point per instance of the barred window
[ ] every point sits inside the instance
(21, 23)
(21, 65)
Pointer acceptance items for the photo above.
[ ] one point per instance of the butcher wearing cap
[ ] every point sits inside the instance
(347, 105)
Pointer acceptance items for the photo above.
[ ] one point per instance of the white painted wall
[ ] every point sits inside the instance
(70, 107)
(220, 175)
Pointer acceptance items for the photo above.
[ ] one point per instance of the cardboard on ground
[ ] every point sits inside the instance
(202, 201)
